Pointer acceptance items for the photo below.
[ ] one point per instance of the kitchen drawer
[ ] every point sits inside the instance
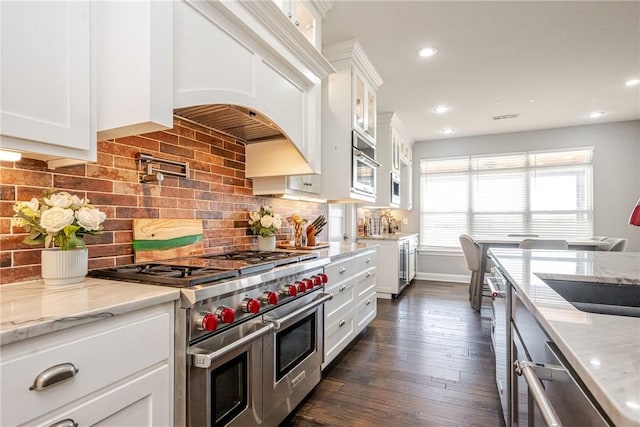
(366, 282)
(104, 352)
(344, 295)
(340, 270)
(338, 334)
(366, 310)
(367, 260)
(128, 404)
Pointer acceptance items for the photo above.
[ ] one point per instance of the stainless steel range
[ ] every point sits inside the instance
(248, 332)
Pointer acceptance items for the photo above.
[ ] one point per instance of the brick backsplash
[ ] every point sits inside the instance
(217, 192)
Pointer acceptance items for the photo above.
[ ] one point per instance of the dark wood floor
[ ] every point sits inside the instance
(425, 360)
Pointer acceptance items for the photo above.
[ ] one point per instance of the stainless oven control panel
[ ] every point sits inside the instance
(215, 314)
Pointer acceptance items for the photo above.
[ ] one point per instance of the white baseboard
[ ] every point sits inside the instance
(456, 278)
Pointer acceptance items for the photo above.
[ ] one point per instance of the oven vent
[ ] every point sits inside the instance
(506, 116)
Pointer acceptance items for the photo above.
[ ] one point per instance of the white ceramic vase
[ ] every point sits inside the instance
(266, 243)
(64, 267)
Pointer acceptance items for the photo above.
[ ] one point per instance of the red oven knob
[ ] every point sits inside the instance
(226, 314)
(309, 283)
(317, 280)
(250, 305)
(302, 286)
(324, 277)
(207, 322)
(270, 298)
(289, 290)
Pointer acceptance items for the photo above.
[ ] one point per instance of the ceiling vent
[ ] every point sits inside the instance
(506, 116)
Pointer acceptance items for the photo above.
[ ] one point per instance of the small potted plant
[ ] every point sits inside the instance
(60, 220)
(265, 223)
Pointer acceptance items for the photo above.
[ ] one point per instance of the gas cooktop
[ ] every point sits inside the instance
(202, 269)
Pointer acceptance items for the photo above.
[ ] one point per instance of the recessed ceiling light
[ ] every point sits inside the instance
(596, 114)
(532, 100)
(632, 82)
(447, 131)
(441, 109)
(427, 52)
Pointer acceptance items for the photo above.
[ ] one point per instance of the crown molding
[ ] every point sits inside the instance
(351, 50)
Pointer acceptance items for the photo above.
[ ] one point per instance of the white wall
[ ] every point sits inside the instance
(616, 174)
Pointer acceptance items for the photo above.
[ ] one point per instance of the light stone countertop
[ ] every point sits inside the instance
(604, 350)
(29, 309)
(337, 250)
(391, 236)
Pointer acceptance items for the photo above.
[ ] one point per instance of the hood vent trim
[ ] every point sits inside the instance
(238, 122)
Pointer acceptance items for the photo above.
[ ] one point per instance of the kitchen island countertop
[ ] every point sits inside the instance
(604, 350)
(29, 309)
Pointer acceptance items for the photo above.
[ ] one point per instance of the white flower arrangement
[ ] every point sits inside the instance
(264, 222)
(61, 218)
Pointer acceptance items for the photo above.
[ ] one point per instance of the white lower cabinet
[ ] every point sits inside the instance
(112, 372)
(353, 306)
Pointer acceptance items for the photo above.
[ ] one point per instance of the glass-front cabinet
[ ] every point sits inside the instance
(364, 107)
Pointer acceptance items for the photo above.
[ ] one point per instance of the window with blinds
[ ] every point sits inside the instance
(546, 193)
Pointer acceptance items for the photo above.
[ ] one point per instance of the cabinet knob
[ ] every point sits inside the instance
(368, 273)
(342, 288)
(341, 324)
(368, 302)
(368, 261)
(342, 270)
(54, 375)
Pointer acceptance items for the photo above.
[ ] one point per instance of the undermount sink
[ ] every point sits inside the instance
(602, 298)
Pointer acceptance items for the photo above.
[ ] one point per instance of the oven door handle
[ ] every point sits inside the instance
(278, 322)
(493, 287)
(536, 390)
(204, 360)
(367, 159)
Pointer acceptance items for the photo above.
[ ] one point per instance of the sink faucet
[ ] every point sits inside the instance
(388, 227)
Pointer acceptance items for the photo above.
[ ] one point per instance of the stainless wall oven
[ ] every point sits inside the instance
(364, 165)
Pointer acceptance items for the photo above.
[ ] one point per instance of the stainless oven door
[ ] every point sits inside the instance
(292, 355)
(364, 173)
(225, 378)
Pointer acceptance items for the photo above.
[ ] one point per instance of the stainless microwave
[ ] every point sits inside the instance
(395, 189)
(364, 166)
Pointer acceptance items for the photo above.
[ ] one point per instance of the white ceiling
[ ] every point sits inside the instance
(571, 58)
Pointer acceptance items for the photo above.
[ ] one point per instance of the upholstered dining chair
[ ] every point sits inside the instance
(543, 244)
(472, 256)
(613, 244)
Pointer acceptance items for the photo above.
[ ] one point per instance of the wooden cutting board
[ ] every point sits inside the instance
(156, 239)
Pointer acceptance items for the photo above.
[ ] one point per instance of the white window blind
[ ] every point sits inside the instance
(545, 193)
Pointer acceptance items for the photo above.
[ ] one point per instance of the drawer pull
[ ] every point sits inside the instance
(368, 302)
(369, 274)
(368, 261)
(65, 423)
(341, 324)
(342, 288)
(342, 270)
(54, 375)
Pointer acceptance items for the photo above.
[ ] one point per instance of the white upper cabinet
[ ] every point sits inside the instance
(249, 54)
(348, 105)
(393, 140)
(74, 68)
(307, 17)
(364, 106)
(134, 66)
(47, 96)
